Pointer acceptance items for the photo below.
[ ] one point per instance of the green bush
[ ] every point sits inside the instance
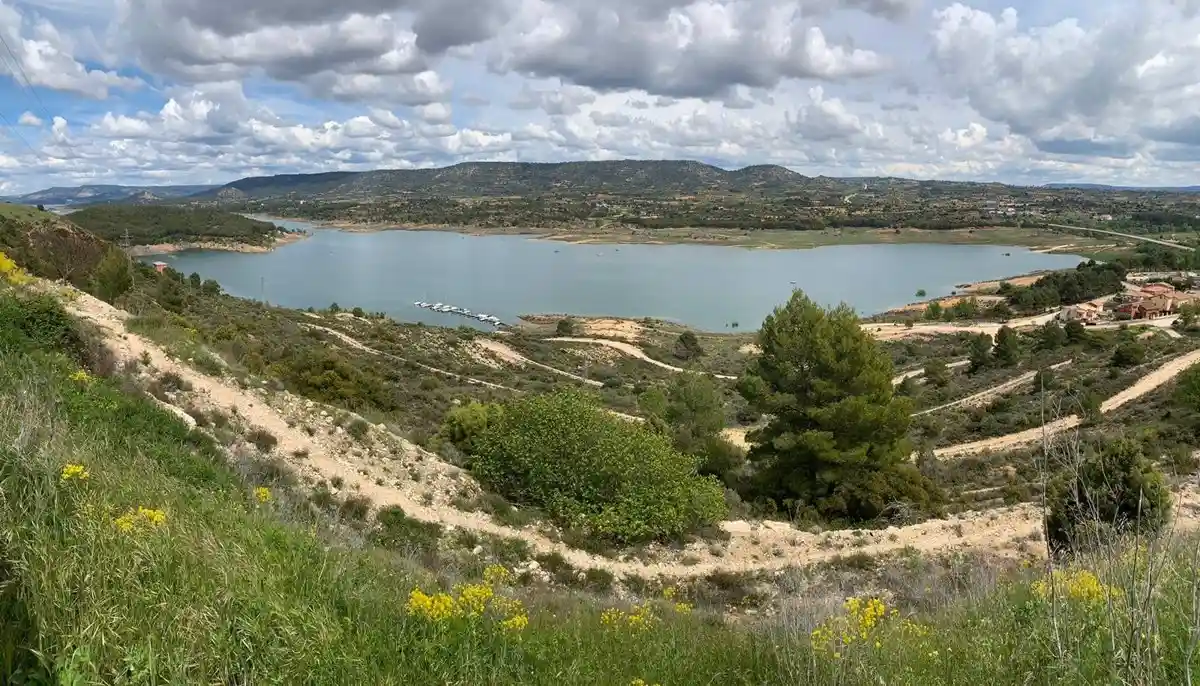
(466, 423)
(1113, 492)
(592, 471)
(38, 323)
(358, 429)
(1129, 354)
(398, 531)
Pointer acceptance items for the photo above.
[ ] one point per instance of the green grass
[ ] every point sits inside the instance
(22, 212)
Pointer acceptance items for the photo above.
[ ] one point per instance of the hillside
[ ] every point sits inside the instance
(201, 489)
(48, 245)
(72, 196)
(153, 224)
(471, 179)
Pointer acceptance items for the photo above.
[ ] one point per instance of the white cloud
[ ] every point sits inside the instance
(201, 90)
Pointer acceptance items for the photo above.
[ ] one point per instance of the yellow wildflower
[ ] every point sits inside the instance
(435, 607)
(1076, 584)
(74, 471)
(10, 272)
(683, 608)
(612, 617)
(81, 376)
(516, 623)
(141, 518)
(496, 575)
(669, 592)
(642, 682)
(262, 494)
(473, 599)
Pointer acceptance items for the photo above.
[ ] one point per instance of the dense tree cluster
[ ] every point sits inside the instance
(1088, 281)
(151, 224)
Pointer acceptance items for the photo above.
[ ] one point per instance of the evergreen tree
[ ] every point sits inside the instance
(113, 276)
(836, 442)
(1008, 347)
(1052, 336)
(980, 353)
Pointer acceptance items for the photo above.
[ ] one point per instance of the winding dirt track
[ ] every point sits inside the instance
(1144, 385)
(985, 395)
(508, 354)
(632, 351)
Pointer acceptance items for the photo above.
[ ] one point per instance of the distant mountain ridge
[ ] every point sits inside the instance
(618, 177)
(96, 194)
(1106, 187)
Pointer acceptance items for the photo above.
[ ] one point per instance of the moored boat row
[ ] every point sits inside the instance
(462, 311)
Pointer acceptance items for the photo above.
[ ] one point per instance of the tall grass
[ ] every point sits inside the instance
(226, 591)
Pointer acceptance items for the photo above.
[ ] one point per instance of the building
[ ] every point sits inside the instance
(1158, 290)
(1148, 308)
(1086, 313)
(160, 267)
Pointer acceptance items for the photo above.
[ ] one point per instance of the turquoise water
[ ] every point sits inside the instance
(707, 287)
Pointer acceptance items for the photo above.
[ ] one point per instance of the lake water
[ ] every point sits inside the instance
(707, 287)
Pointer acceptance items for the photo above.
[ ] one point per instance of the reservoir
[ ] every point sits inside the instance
(703, 286)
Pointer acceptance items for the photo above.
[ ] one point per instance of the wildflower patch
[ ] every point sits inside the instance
(472, 602)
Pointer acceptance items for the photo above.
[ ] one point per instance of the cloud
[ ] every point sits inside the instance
(43, 56)
(29, 119)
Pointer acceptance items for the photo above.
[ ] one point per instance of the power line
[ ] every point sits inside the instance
(26, 84)
(13, 130)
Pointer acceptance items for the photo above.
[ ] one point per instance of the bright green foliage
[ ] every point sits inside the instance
(38, 323)
(1113, 492)
(836, 441)
(113, 277)
(1187, 389)
(692, 413)
(1008, 347)
(593, 471)
(466, 423)
(933, 311)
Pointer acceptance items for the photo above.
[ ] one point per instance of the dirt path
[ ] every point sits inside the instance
(986, 395)
(382, 466)
(632, 351)
(1144, 385)
(511, 356)
(354, 343)
(917, 373)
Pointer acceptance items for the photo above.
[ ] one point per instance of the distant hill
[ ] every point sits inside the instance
(623, 177)
(154, 224)
(90, 195)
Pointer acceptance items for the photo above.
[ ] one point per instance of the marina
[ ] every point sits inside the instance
(451, 309)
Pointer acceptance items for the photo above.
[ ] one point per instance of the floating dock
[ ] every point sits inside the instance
(460, 311)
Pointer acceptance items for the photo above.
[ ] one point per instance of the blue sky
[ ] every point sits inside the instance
(207, 91)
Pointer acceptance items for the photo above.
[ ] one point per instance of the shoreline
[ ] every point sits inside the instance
(170, 248)
(759, 239)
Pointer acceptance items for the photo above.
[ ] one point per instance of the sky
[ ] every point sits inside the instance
(151, 92)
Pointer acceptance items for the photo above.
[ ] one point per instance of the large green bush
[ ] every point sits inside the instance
(1113, 492)
(590, 470)
(466, 423)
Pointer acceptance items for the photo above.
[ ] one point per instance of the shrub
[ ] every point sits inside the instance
(590, 470)
(1129, 354)
(38, 323)
(465, 424)
(262, 439)
(566, 327)
(358, 429)
(1113, 492)
(355, 507)
(398, 531)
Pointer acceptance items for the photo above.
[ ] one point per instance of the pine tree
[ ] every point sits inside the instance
(836, 441)
(1008, 347)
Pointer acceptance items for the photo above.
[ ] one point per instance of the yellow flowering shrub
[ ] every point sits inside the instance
(1079, 585)
(638, 619)
(472, 602)
(82, 377)
(642, 682)
(262, 494)
(140, 519)
(11, 273)
(74, 472)
(863, 620)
